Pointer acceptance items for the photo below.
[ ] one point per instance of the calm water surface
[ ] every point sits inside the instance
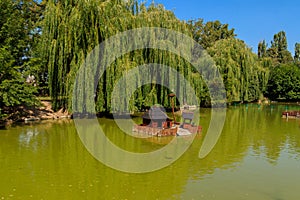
(256, 157)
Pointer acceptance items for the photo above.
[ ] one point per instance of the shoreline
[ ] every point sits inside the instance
(45, 112)
(34, 114)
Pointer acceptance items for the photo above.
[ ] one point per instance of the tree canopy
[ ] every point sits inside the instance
(17, 34)
(244, 78)
(284, 83)
(43, 44)
(206, 34)
(72, 30)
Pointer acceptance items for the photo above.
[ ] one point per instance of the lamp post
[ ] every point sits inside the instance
(171, 95)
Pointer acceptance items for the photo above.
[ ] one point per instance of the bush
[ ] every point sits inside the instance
(284, 83)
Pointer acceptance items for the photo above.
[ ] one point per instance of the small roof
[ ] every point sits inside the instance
(187, 115)
(155, 112)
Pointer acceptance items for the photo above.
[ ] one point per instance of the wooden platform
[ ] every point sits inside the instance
(291, 114)
(172, 131)
(148, 130)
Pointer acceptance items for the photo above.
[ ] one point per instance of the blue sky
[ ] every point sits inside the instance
(253, 20)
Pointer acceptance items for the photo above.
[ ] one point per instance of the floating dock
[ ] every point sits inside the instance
(291, 114)
(157, 123)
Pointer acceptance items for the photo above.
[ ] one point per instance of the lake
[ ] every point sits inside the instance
(256, 157)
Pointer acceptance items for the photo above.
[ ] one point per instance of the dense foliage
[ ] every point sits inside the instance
(17, 34)
(49, 40)
(244, 78)
(206, 34)
(70, 32)
(284, 83)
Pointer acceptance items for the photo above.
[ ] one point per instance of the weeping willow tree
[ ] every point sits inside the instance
(72, 29)
(244, 75)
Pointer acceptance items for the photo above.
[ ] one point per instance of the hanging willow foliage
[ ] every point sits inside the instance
(244, 76)
(72, 29)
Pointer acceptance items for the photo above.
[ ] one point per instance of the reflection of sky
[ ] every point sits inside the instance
(255, 178)
(257, 157)
(28, 138)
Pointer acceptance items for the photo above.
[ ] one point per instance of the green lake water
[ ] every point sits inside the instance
(256, 157)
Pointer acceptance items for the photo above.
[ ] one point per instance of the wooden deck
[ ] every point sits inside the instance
(172, 131)
(291, 114)
(148, 130)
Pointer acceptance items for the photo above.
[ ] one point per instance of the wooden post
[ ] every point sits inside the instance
(172, 103)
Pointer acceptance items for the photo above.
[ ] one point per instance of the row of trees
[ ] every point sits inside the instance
(51, 39)
(283, 82)
(72, 29)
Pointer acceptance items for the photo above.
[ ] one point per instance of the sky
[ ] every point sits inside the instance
(253, 20)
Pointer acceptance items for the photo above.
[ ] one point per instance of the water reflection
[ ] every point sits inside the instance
(27, 135)
(256, 157)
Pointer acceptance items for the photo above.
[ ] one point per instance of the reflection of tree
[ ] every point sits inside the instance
(270, 132)
(247, 128)
(228, 151)
(160, 184)
(63, 168)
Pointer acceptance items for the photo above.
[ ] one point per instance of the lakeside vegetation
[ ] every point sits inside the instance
(43, 44)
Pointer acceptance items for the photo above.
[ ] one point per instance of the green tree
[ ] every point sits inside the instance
(262, 49)
(280, 41)
(71, 29)
(17, 24)
(206, 34)
(297, 52)
(244, 77)
(278, 50)
(284, 83)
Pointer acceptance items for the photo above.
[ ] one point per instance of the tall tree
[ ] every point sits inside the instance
(280, 41)
(297, 52)
(206, 34)
(262, 49)
(73, 28)
(244, 78)
(284, 83)
(278, 49)
(17, 25)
